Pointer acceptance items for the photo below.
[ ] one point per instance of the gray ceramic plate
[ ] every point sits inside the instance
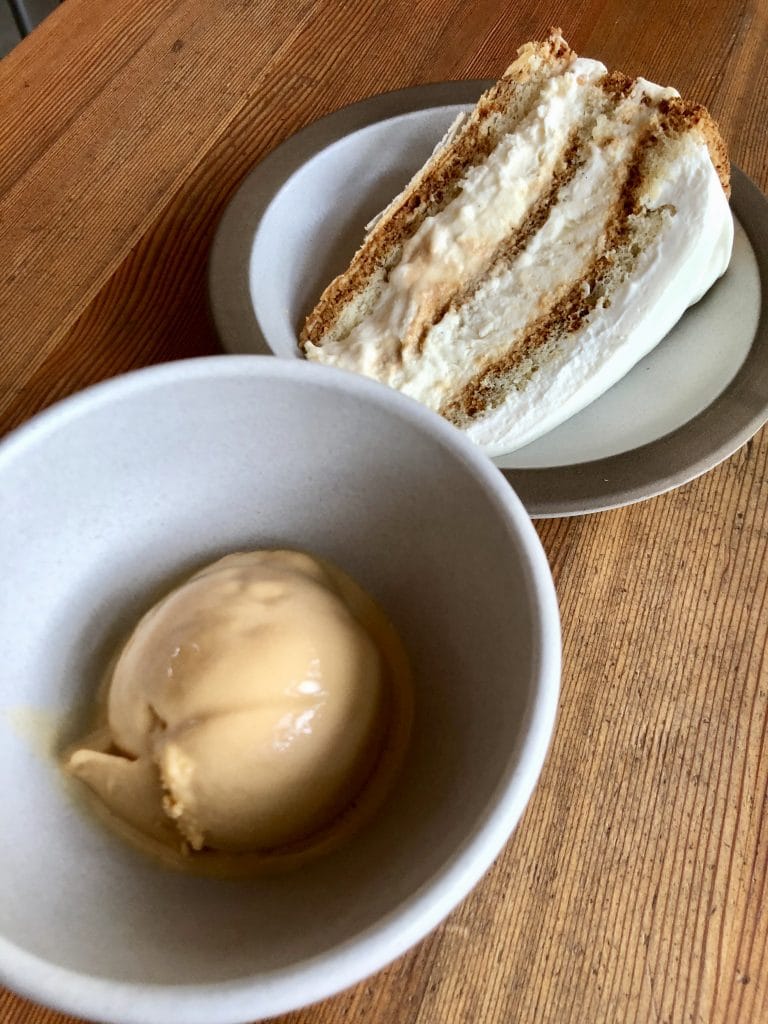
(299, 216)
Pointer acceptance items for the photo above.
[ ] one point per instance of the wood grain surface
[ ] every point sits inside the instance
(636, 887)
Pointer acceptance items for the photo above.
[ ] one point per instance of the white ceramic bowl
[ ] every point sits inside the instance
(108, 496)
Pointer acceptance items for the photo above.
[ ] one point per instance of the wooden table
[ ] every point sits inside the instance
(636, 886)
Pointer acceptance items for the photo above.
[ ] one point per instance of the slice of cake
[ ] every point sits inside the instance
(553, 238)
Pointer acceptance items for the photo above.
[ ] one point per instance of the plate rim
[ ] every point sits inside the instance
(638, 474)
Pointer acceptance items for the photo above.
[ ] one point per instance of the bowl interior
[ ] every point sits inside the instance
(114, 495)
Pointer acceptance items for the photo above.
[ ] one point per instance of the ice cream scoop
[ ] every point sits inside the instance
(249, 708)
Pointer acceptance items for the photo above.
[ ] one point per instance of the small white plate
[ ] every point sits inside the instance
(299, 216)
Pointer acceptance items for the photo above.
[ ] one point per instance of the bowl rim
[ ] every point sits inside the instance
(289, 988)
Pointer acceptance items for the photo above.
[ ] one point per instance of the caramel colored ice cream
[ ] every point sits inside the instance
(250, 709)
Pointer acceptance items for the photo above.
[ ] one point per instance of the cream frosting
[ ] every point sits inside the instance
(673, 272)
